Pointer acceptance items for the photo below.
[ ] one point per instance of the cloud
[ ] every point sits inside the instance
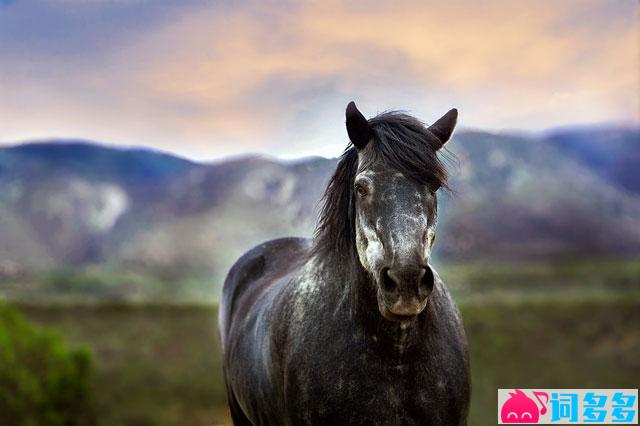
(210, 79)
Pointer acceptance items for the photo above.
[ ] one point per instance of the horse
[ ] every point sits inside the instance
(354, 326)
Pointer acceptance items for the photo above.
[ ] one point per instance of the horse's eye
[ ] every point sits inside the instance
(361, 190)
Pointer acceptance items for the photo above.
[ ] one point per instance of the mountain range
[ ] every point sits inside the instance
(71, 204)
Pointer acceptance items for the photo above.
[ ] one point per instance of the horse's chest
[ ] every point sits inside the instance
(359, 387)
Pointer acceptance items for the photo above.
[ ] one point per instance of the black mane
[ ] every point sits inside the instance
(404, 144)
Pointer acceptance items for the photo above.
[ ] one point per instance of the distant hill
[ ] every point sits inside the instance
(612, 153)
(41, 160)
(74, 203)
(524, 198)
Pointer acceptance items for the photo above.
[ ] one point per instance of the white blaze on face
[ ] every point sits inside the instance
(428, 244)
(370, 248)
(406, 226)
(368, 244)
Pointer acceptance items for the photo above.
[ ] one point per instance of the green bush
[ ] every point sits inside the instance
(42, 382)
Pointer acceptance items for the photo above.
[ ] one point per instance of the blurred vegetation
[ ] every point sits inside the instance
(42, 382)
(467, 281)
(105, 284)
(157, 364)
(564, 344)
(160, 365)
(562, 325)
(563, 278)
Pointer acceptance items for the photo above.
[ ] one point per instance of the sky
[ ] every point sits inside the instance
(209, 79)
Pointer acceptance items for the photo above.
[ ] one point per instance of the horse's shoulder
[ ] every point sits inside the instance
(270, 253)
(255, 270)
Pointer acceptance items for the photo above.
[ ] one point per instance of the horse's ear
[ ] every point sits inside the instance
(358, 128)
(443, 128)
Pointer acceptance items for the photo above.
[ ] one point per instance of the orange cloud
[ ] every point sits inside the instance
(244, 77)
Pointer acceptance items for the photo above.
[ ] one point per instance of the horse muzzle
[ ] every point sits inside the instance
(404, 293)
(402, 311)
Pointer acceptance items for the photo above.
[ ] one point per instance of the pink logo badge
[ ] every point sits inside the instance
(519, 408)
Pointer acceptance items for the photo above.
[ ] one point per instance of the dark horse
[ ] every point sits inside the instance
(355, 326)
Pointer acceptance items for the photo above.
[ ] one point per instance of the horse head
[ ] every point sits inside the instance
(395, 208)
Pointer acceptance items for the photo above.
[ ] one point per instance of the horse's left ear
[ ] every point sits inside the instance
(358, 128)
(443, 128)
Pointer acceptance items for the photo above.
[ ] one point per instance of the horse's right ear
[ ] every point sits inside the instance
(358, 128)
(443, 128)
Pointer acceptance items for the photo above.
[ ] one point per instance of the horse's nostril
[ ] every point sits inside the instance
(426, 282)
(388, 284)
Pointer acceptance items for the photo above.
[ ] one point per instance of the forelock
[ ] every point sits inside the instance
(403, 143)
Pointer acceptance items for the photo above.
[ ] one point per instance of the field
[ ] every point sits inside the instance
(529, 326)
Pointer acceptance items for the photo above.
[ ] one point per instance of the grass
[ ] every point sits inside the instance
(569, 278)
(156, 365)
(161, 365)
(467, 281)
(97, 284)
(564, 325)
(550, 344)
